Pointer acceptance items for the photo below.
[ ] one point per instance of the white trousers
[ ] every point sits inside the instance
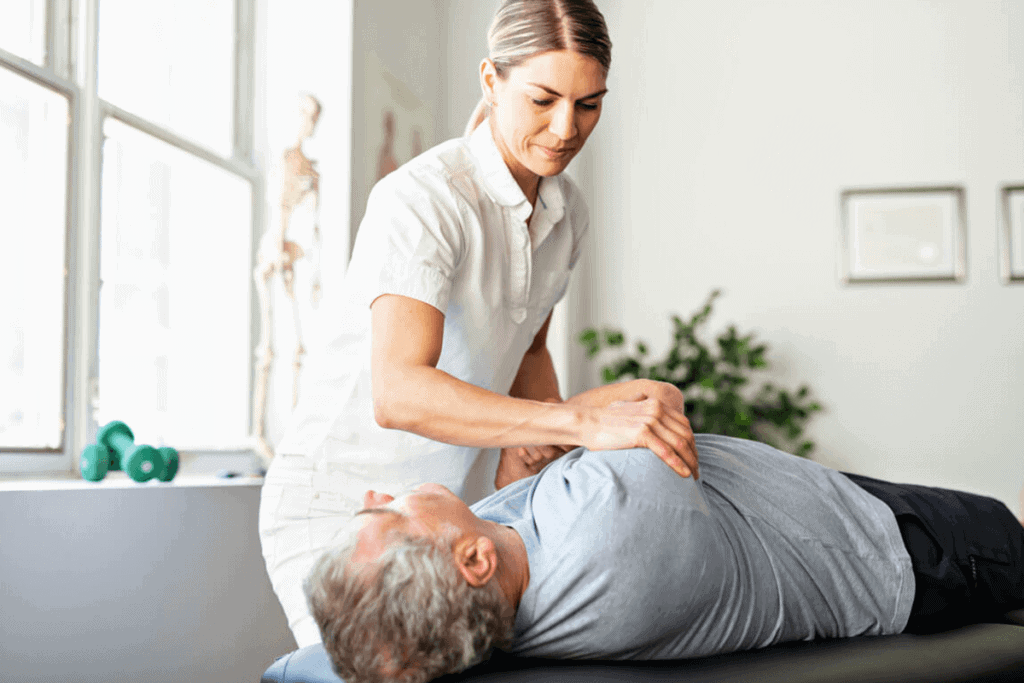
(304, 506)
(301, 512)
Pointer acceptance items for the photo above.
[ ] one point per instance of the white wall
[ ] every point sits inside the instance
(465, 45)
(405, 36)
(728, 133)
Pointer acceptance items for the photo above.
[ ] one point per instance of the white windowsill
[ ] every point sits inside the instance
(194, 471)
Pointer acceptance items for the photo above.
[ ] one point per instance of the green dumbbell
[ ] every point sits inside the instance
(139, 461)
(170, 457)
(96, 461)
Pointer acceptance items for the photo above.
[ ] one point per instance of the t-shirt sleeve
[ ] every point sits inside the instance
(409, 242)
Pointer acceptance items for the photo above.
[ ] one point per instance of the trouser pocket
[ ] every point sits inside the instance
(997, 586)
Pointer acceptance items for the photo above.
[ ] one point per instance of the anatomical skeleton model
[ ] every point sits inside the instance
(277, 256)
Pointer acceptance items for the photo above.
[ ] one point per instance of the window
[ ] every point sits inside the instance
(130, 205)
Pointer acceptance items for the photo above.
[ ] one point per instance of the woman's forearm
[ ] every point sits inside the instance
(432, 403)
(632, 390)
(436, 405)
(411, 394)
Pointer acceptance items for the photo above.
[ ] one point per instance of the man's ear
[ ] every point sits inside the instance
(477, 559)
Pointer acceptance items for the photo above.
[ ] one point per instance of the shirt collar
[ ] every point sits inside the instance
(500, 184)
(550, 209)
(552, 200)
(502, 187)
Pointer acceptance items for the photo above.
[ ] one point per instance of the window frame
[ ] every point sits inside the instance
(70, 68)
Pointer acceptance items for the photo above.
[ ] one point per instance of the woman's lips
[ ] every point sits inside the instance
(555, 153)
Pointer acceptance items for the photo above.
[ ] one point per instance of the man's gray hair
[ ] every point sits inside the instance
(408, 617)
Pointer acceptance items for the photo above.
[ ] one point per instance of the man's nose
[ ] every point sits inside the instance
(373, 499)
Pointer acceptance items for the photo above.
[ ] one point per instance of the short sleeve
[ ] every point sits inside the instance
(409, 242)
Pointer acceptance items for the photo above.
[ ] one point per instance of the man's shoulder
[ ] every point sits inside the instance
(614, 482)
(506, 504)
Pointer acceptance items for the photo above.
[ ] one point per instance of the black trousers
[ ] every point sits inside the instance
(967, 552)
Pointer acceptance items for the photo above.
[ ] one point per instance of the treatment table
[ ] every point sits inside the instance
(992, 653)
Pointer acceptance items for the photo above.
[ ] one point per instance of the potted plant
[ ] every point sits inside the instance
(716, 381)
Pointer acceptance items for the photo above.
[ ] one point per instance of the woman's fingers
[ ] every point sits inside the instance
(510, 468)
(534, 457)
(679, 445)
(651, 424)
(538, 456)
(517, 462)
(669, 457)
(674, 429)
(671, 427)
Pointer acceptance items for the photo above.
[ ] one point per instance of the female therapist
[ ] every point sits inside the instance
(440, 347)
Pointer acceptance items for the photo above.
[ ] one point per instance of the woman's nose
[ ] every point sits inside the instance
(373, 499)
(563, 122)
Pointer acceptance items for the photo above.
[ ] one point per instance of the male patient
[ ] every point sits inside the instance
(612, 555)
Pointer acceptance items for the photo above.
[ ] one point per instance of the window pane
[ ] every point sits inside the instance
(171, 63)
(33, 192)
(23, 28)
(175, 270)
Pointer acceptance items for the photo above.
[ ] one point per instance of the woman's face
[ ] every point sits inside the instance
(543, 111)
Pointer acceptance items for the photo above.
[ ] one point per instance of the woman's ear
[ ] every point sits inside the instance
(477, 559)
(488, 80)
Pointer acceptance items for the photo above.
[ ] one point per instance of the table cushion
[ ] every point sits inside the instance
(992, 653)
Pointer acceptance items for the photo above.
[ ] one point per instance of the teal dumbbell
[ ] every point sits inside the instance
(139, 461)
(116, 450)
(170, 458)
(96, 461)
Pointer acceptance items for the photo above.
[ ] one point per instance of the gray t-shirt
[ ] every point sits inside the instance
(628, 560)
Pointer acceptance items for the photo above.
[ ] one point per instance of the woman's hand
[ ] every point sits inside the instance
(642, 414)
(518, 462)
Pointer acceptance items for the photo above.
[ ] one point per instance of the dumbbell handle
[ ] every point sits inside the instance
(120, 443)
(139, 461)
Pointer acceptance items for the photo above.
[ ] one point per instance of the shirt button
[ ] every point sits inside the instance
(518, 315)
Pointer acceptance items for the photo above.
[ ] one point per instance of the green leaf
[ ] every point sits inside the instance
(716, 381)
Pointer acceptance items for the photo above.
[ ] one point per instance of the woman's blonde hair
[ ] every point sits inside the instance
(524, 28)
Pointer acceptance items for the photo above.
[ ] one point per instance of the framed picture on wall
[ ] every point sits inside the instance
(1012, 235)
(903, 234)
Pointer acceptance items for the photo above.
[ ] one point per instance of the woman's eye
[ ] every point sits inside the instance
(542, 103)
(588, 107)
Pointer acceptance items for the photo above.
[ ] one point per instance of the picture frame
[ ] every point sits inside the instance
(913, 234)
(1012, 234)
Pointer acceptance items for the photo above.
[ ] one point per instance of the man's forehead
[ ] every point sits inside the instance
(378, 521)
(375, 531)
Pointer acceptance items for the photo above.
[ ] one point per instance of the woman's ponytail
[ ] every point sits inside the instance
(477, 117)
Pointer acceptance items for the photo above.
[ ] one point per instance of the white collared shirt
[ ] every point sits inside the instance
(449, 228)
